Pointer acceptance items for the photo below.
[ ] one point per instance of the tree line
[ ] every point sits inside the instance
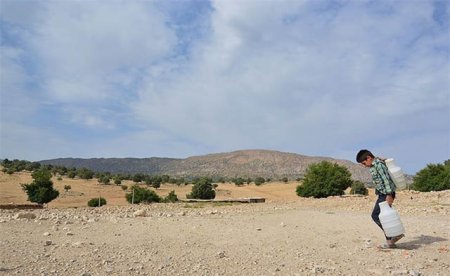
(12, 166)
(322, 179)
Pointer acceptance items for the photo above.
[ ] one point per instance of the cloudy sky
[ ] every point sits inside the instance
(182, 78)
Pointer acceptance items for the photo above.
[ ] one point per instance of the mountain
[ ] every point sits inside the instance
(242, 163)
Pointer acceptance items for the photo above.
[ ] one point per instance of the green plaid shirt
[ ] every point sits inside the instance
(381, 178)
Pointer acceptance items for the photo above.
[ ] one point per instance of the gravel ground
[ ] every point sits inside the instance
(333, 236)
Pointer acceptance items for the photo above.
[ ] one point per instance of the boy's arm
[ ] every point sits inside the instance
(384, 174)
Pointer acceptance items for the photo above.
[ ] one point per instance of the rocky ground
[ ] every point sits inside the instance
(333, 236)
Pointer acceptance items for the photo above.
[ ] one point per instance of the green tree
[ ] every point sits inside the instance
(180, 181)
(142, 195)
(96, 202)
(156, 185)
(117, 181)
(259, 180)
(139, 177)
(32, 166)
(41, 189)
(171, 197)
(85, 173)
(358, 188)
(104, 180)
(239, 181)
(156, 181)
(71, 174)
(165, 179)
(202, 189)
(434, 177)
(324, 179)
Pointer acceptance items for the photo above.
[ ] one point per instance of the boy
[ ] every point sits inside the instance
(384, 188)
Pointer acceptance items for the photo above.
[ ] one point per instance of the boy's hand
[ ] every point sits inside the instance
(389, 199)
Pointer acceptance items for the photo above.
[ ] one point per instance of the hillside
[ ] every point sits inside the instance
(243, 163)
(153, 165)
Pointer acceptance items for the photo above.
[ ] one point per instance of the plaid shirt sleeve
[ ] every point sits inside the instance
(381, 178)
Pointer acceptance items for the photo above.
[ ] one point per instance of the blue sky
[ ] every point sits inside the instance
(182, 78)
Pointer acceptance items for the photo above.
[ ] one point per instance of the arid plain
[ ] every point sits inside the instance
(286, 235)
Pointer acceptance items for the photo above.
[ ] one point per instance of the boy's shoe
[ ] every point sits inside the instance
(397, 238)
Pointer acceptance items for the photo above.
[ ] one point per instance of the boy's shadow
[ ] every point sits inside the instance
(419, 241)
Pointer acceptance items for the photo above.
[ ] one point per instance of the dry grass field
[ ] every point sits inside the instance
(83, 190)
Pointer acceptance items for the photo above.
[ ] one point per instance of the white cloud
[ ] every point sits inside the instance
(313, 77)
(306, 85)
(13, 82)
(84, 45)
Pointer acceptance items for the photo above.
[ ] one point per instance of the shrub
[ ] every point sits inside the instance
(142, 195)
(358, 188)
(156, 184)
(85, 173)
(67, 187)
(180, 181)
(435, 177)
(41, 189)
(165, 178)
(238, 181)
(104, 179)
(324, 179)
(139, 177)
(259, 180)
(124, 187)
(96, 202)
(202, 189)
(71, 174)
(171, 197)
(117, 181)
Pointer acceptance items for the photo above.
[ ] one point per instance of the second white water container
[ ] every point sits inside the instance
(390, 220)
(396, 174)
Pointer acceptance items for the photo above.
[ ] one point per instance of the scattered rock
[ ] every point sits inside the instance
(140, 213)
(24, 216)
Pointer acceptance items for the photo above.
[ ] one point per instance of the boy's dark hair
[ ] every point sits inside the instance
(363, 154)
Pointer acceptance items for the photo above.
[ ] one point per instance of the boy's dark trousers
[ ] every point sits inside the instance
(376, 211)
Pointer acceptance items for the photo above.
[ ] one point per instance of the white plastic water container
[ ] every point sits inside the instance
(390, 220)
(396, 174)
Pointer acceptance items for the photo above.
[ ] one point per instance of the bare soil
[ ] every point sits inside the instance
(287, 235)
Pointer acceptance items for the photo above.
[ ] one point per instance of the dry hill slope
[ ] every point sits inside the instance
(243, 163)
